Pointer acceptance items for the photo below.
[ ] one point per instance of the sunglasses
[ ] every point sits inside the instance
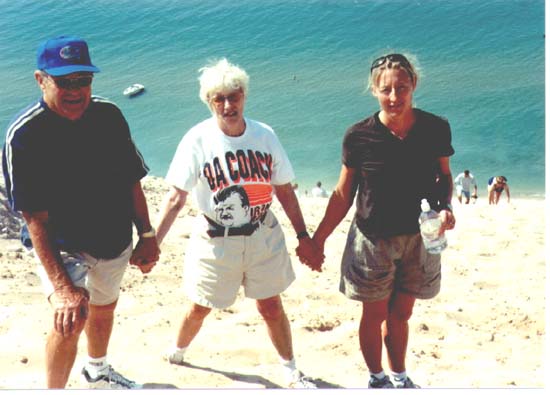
(72, 83)
(394, 57)
(231, 98)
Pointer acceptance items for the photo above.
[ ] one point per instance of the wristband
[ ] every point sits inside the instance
(448, 206)
(302, 234)
(149, 234)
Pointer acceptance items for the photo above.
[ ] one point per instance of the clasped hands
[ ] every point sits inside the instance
(310, 253)
(145, 254)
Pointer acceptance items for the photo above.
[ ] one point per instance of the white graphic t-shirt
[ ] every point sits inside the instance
(232, 178)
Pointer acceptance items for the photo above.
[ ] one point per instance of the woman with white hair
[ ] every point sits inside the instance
(239, 163)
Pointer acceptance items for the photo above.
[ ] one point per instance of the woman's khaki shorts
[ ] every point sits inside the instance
(215, 268)
(373, 271)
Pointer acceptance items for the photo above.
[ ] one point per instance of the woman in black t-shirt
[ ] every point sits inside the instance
(391, 160)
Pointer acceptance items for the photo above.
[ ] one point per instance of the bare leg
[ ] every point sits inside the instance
(99, 327)
(370, 333)
(278, 326)
(191, 324)
(60, 357)
(396, 330)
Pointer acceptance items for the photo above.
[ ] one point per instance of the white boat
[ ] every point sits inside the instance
(133, 90)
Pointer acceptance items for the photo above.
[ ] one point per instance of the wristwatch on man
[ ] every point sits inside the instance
(149, 234)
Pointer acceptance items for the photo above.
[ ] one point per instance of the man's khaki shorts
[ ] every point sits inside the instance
(215, 268)
(373, 271)
(101, 277)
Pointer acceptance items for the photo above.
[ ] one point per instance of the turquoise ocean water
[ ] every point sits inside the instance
(482, 67)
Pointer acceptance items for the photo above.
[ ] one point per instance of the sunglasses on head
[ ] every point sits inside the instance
(73, 83)
(394, 57)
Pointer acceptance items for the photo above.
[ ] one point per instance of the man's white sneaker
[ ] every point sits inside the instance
(299, 380)
(110, 380)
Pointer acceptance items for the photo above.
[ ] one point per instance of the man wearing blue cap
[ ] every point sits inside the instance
(73, 171)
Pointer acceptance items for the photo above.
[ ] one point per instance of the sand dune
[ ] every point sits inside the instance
(486, 329)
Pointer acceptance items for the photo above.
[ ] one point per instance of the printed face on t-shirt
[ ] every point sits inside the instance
(231, 212)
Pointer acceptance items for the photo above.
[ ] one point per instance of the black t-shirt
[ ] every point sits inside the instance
(394, 174)
(81, 172)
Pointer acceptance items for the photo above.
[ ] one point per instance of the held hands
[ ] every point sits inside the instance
(70, 309)
(145, 254)
(310, 253)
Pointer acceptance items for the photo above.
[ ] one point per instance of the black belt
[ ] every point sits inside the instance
(219, 231)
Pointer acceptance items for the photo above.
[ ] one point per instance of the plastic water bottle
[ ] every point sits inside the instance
(429, 229)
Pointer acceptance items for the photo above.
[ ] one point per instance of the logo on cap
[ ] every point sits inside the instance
(69, 53)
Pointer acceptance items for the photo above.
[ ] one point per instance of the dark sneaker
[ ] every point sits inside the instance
(380, 383)
(407, 383)
(110, 380)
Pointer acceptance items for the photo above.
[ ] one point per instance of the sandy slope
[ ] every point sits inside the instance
(486, 329)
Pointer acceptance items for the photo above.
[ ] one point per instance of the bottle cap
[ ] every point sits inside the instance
(424, 205)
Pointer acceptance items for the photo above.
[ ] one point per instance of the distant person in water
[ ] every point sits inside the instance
(495, 186)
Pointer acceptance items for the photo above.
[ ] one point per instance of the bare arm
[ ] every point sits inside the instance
(491, 192)
(70, 303)
(287, 197)
(141, 212)
(38, 224)
(172, 204)
(446, 216)
(338, 205)
(146, 253)
(285, 194)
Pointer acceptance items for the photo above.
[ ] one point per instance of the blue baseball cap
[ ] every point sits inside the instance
(64, 55)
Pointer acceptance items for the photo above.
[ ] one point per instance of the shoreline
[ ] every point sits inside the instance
(515, 192)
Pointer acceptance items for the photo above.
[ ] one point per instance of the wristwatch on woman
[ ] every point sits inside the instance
(302, 234)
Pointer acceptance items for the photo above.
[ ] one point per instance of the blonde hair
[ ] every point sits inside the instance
(221, 76)
(412, 69)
